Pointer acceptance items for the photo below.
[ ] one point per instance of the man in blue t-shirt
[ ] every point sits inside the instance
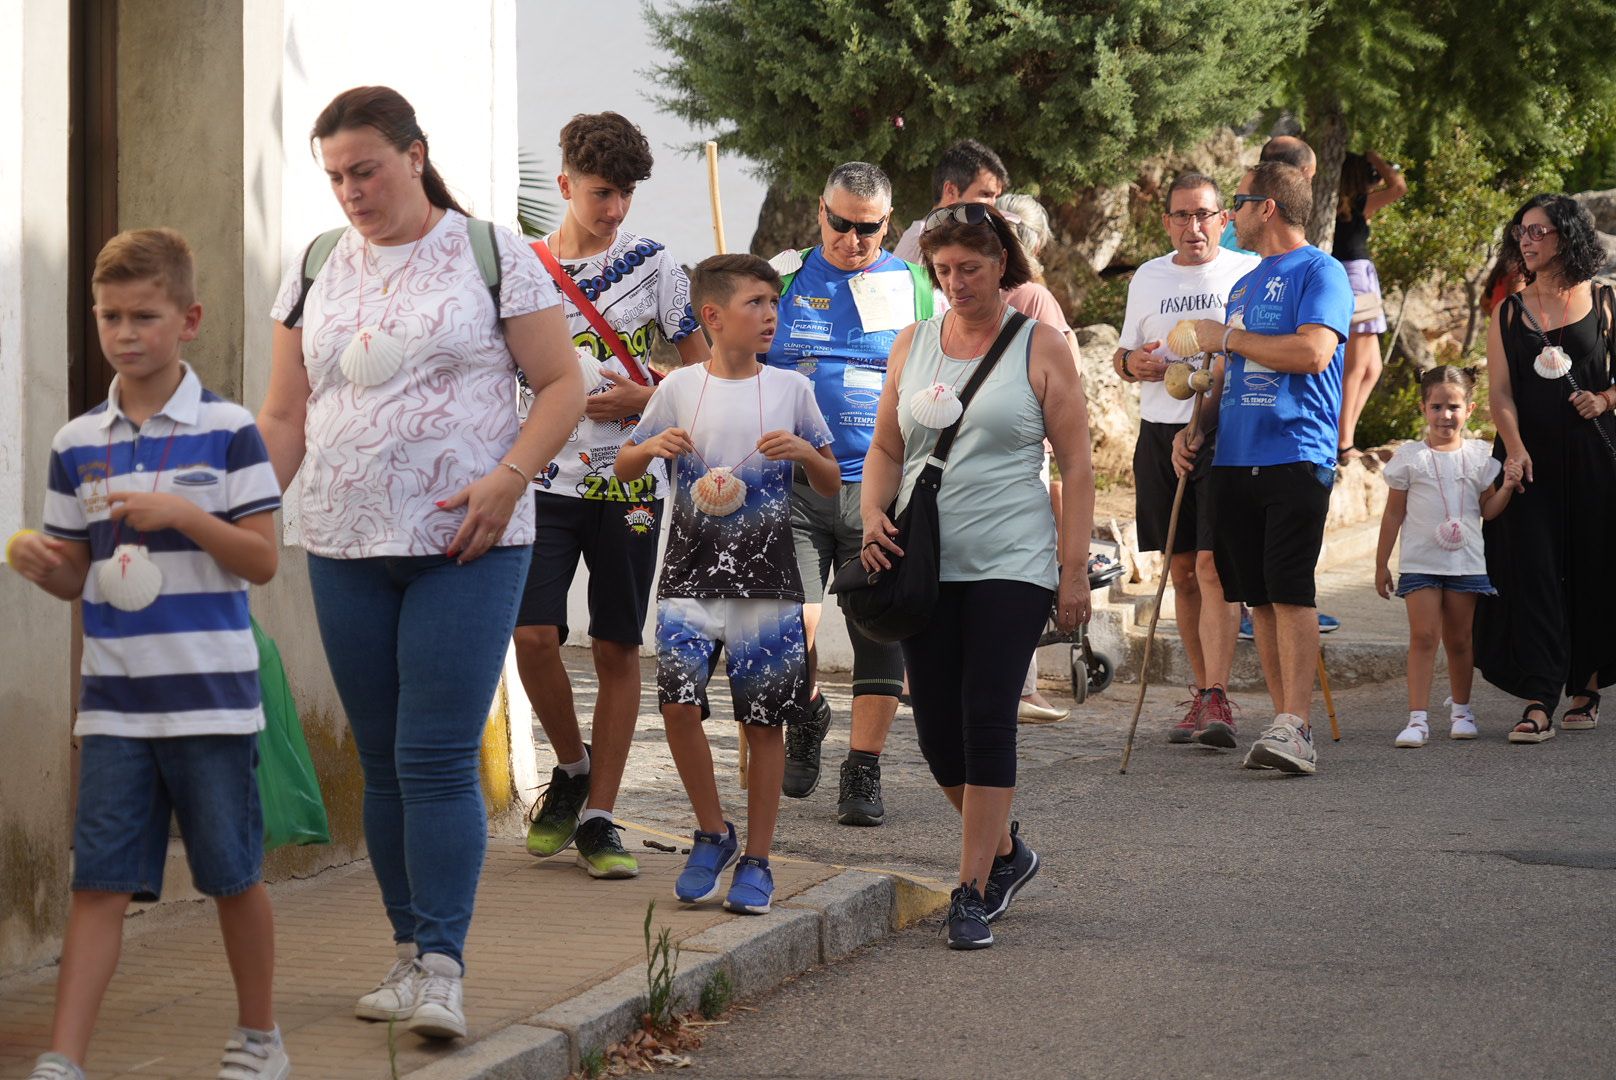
(842, 307)
(1275, 459)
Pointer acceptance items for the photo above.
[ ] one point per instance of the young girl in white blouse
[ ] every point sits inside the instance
(1442, 488)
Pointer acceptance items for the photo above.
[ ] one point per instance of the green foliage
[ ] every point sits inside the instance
(716, 995)
(592, 1064)
(1392, 412)
(1068, 94)
(535, 213)
(661, 964)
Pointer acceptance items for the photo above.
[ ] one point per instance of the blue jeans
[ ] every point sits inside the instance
(416, 645)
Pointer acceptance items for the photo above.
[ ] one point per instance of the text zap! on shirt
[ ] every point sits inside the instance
(1268, 417)
(838, 327)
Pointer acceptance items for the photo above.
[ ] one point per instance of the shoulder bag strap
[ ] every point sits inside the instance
(314, 257)
(932, 474)
(563, 280)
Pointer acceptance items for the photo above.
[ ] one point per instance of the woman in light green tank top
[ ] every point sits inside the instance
(999, 567)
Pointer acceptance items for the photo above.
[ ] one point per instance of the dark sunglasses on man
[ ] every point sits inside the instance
(840, 224)
(1241, 200)
(970, 213)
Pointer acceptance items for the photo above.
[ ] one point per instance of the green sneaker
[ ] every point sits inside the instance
(554, 821)
(600, 850)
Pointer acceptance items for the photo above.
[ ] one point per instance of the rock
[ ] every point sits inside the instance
(1113, 404)
(1602, 205)
(1360, 492)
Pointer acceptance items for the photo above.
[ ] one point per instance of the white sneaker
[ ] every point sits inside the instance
(438, 1012)
(1283, 746)
(394, 997)
(55, 1067)
(1413, 735)
(250, 1058)
(1462, 727)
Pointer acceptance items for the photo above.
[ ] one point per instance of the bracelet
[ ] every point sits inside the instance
(526, 479)
(19, 534)
(1226, 332)
(1127, 375)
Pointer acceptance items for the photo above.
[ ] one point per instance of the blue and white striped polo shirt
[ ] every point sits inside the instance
(187, 664)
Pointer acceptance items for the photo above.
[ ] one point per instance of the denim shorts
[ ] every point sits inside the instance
(1470, 583)
(129, 787)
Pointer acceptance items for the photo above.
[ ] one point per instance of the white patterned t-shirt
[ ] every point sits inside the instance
(378, 459)
(639, 289)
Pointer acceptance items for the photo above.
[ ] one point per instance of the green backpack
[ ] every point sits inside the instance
(483, 249)
(922, 280)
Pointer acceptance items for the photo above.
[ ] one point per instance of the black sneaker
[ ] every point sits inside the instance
(601, 851)
(967, 924)
(802, 750)
(860, 801)
(1010, 872)
(555, 817)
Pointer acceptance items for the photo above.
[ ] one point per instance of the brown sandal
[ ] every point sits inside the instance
(1540, 732)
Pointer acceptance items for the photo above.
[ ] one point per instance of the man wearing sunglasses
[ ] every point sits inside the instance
(1284, 148)
(968, 172)
(841, 306)
(1193, 281)
(1284, 338)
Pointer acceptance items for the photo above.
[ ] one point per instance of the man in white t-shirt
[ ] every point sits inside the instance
(1191, 283)
(619, 292)
(967, 172)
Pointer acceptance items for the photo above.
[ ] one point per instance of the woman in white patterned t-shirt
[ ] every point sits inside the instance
(394, 393)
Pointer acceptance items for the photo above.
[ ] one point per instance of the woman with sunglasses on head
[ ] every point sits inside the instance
(1548, 553)
(392, 389)
(999, 569)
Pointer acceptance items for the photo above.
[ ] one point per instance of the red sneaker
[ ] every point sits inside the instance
(1184, 731)
(1217, 719)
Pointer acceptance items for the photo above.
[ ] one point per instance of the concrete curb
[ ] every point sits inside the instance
(819, 925)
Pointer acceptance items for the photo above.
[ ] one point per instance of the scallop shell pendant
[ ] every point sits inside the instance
(129, 580)
(372, 357)
(935, 407)
(1552, 362)
(592, 369)
(1449, 535)
(719, 493)
(1237, 321)
(1181, 339)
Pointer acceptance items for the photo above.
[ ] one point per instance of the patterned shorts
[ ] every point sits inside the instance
(764, 646)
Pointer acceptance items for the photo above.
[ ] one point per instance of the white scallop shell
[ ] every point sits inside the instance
(592, 369)
(1237, 321)
(936, 407)
(129, 580)
(719, 493)
(1450, 535)
(372, 357)
(1552, 362)
(1181, 339)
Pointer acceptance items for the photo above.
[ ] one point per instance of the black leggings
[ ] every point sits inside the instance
(965, 674)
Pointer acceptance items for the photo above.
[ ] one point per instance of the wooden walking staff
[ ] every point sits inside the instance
(1329, 702)
(741, 753)
(1197, 383)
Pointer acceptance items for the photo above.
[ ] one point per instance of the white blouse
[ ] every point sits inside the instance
(379, 458)
(1440, 485)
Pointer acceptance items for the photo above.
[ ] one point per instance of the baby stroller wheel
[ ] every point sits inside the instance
(1100, 672)
(1080, 676)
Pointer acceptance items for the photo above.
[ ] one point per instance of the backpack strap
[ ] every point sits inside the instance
(314, 257)
(924, 301)
(484, 248)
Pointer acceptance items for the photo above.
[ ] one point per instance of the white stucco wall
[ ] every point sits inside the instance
(11, 356)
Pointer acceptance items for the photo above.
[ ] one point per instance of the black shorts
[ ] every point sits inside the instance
(618, 542)
(1269, 530)
(1155, 484)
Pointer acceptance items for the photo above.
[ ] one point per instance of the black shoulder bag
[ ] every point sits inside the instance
(890, 605)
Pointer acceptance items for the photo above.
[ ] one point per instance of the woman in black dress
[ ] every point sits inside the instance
(1548, 554)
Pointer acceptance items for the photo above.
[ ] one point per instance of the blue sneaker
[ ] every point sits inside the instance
(710, 856)
(1328, 624)
(967, 922)
(1009, 873)
(1246, 632)
(752, 887)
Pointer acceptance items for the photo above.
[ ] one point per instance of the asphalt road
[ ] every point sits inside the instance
(1441, 912)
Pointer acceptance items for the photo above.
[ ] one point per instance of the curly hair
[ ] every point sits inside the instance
(606, 145)
(1580, 255)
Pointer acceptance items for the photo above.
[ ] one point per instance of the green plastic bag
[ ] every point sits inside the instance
(294, 813)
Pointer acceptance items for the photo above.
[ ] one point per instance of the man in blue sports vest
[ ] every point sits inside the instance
(842, 307)
(1275, 459)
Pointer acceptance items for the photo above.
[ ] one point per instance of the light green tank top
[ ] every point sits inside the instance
(993, 509)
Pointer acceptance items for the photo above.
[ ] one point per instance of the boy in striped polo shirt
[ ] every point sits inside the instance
(159, 512)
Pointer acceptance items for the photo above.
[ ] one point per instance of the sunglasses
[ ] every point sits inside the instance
(971, 213)
(1534, 233)
(1181, 218)
(840, 224)
(1241, 200)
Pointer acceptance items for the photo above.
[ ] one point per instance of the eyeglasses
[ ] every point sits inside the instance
(970, 213)
(1534, 233)
(1241, 200)
(1181, 218)
(840, 224)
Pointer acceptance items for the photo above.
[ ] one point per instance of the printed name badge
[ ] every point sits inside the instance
(884, 301)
